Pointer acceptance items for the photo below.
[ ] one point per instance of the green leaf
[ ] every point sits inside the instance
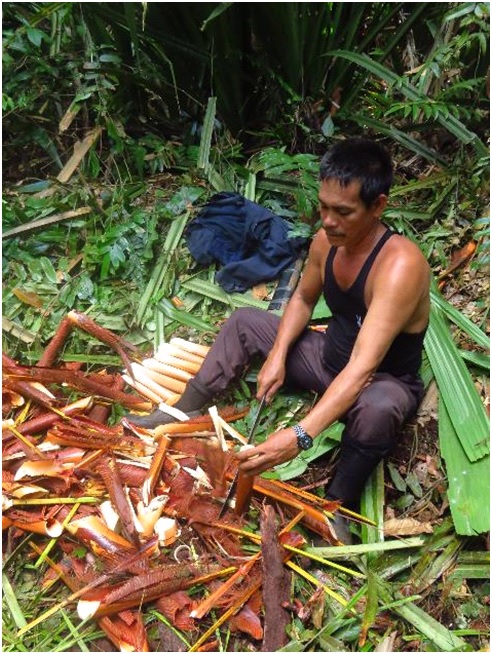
(413, 484)
(396, 478)
(223, 6)
(35, 36)
(110, 58)
(401, 137)
(443, 639)
(234, 300)
(162, 276)
(372, 502)
(460, 320)
(206, 138)
(371, 609)
(325, 442)
(48, 271)
(458, 392)
(12, 603)
(450, 122)
(328, 127)
(468, 482)
(183, 317)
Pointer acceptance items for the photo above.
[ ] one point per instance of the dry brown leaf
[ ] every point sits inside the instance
(28, 298)
(259, 292)
(406, 527)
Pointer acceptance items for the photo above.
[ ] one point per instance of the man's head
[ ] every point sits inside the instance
(359, 160)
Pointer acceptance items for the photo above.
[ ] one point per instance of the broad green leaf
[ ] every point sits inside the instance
(348, 551)
(476, 358)
(110, 58)
(396, 478)
(182, 200)
(371, 608)
(468, 482)
(472, 565)
(463, 403)
(35, 36)
(250, 188)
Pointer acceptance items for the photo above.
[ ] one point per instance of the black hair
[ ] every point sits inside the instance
(362, 160)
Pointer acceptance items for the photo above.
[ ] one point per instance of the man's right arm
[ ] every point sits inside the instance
(295, 318)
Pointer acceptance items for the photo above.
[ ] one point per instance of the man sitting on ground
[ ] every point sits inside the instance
(365, 368)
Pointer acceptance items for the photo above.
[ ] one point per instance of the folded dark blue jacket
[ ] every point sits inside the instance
(250, 242)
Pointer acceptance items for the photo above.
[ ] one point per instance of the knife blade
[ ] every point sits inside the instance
(251, 434)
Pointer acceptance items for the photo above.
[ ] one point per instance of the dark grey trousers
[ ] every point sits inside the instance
(371, 425)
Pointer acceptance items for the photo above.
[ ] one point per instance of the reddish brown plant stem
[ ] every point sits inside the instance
(78, 380)
(50, 354)
(276, 584)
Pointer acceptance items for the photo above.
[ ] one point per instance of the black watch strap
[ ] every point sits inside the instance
(304, 440)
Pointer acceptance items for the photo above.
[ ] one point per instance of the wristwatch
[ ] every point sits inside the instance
(304, 440)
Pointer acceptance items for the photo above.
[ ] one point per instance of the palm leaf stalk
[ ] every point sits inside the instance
(160, 281)
(211, 290)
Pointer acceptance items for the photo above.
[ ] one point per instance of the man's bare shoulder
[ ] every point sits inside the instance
(400, 249)
(319, 244)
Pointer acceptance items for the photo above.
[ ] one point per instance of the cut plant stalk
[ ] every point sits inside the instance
(189, 366)
(166, 369)
(144, 588)
(239, 575)
(142, 390)
(159, 384)
(155, 469)
(167, 382)
(53, 541)
(189, 346)
(225, 616)
(79, 380)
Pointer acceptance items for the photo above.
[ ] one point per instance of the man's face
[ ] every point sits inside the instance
(344, 216)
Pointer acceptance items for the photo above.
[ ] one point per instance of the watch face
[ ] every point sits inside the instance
(305, 442)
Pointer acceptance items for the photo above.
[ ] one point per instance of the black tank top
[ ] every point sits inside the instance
(348, 312)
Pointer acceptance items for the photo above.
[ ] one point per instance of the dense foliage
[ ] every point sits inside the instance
(180, 100)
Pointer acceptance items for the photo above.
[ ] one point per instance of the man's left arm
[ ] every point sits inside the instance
(397, 292)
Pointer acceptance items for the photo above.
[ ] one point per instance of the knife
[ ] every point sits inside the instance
(252, 432)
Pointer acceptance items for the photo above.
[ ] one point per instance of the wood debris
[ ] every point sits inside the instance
(144, 504)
